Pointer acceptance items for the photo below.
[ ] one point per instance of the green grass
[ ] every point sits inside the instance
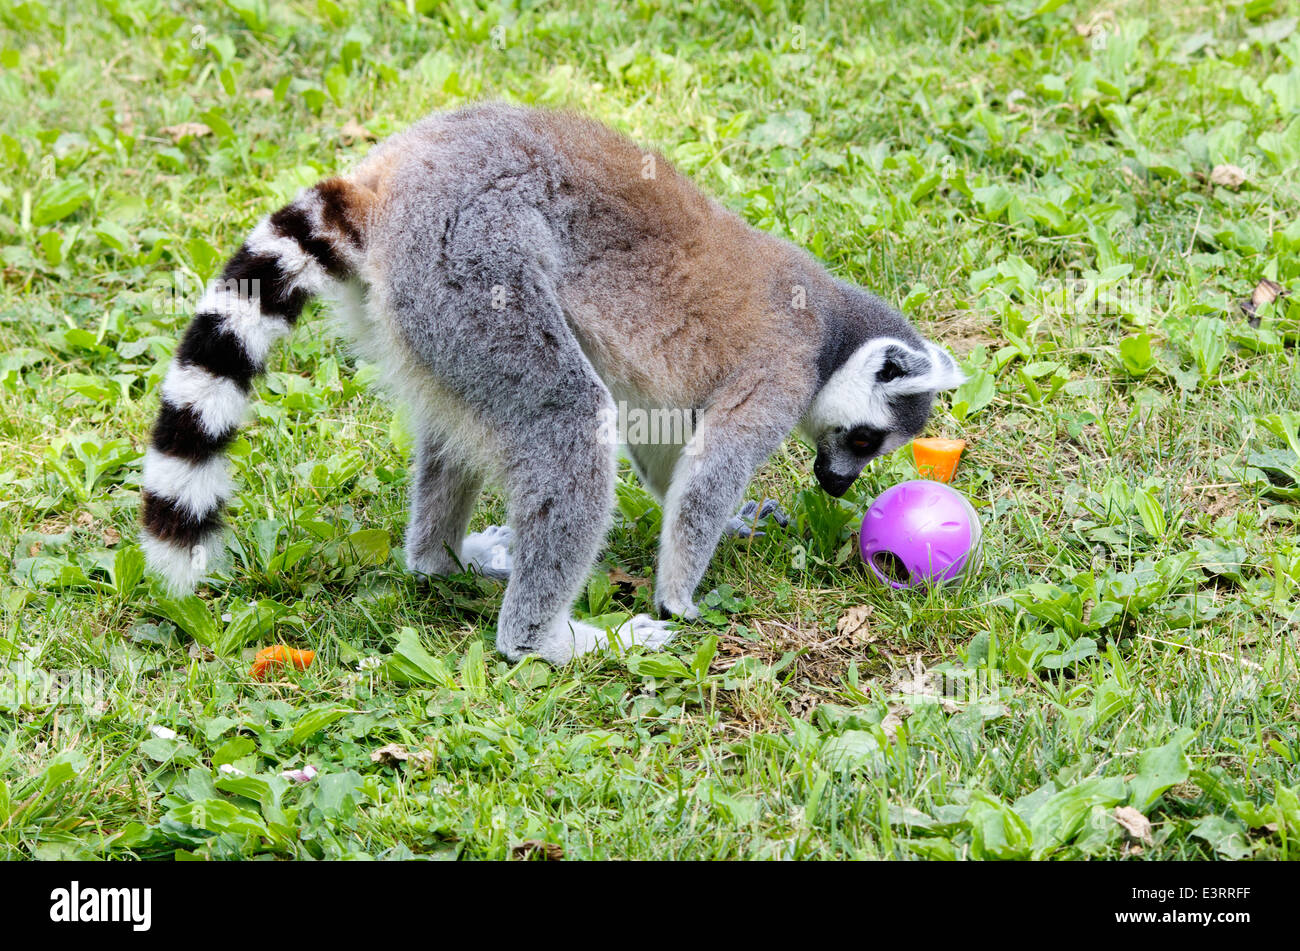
(1033, 186)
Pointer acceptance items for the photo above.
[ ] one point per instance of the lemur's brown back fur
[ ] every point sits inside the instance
(677, 291)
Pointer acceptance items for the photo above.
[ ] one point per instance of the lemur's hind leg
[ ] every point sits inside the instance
(560, 485)
(737, 434)
(511, 358)
(443, 491)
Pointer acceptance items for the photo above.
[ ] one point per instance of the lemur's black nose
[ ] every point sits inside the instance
(832, 482)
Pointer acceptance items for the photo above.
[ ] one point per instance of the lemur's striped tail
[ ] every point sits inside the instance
(290, 257)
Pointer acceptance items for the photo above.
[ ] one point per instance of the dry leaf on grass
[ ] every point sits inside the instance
(853, 623)
(619, 576)
(536, 848)
(1221, 503)
(803, 705)
(354, 131)
(186, 130)
(953, 691)
(111, 536)
(1135, 824)
(1099, 24)
(890, 725)
(916, 681)
(1265, 293)
(1229, 176)
(395, 753)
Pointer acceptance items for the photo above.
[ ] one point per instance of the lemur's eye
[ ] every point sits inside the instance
(864, 440)
(890, 371)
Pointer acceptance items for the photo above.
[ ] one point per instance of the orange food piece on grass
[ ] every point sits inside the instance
(937, 458)
(277, 656)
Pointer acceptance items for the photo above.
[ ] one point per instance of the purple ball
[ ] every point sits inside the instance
(919, 532)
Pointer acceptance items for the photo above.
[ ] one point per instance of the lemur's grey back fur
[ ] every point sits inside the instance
(524, 277)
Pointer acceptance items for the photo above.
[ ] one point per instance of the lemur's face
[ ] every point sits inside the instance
(877, 401)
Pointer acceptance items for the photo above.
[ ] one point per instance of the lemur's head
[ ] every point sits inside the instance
(879, 395)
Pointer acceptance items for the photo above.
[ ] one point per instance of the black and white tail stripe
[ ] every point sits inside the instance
(289, 258)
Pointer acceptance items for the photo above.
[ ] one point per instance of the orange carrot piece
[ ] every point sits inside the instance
(277, 656)
(937, 458)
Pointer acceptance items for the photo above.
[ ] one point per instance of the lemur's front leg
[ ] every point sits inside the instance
(443, 491)
(735, 437)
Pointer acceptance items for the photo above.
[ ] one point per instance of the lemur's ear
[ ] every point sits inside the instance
(948, 375)
(919, 371)
(859, 392)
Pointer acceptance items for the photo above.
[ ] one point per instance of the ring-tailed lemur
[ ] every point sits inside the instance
(522, 277)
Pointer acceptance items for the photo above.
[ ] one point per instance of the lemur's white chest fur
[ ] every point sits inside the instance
(651, 437)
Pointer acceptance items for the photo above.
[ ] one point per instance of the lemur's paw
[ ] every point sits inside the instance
(496, 534)
(678, 607)
(641, 629)
(646, 631)
(744, 524)
(429, 564)
(572, 638)
(488, 551)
